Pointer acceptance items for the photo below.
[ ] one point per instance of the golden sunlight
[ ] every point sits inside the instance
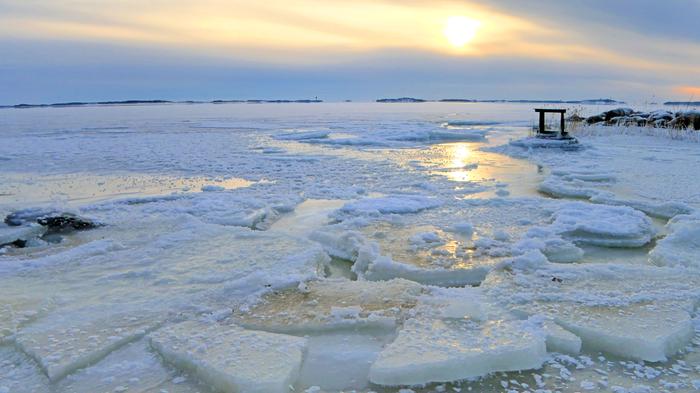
(460, 30)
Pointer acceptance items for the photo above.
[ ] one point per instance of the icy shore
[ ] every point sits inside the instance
(343, 248)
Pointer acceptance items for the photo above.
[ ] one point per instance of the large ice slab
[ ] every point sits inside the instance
(629, 311)
(132, 368)
(333, 304)
(646, 332)
(340, 361)
(232, 359)
(454, 337)
(63, 343)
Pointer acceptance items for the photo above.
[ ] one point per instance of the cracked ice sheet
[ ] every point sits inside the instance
(178, 262)
(131, 368)
(346, 322)
(634, 312)
(455, 335)
(18, 311)
(192, 268)
(64, 342)
(232, 359)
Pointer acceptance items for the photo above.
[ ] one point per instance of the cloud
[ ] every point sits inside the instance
(692, 91)
(547, 48)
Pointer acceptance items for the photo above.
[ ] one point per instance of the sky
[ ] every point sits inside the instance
(90, 50)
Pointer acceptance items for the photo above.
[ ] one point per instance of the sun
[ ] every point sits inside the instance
(460, 30)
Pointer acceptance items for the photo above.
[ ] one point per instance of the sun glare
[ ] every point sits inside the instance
(460, 30)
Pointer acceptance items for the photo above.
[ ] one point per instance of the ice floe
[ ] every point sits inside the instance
(232, 359)
(64, 343)
(632, 312)
(458, 343)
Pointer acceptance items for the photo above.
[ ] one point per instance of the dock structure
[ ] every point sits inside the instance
(542, 130)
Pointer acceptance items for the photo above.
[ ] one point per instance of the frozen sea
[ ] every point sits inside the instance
(345, 247)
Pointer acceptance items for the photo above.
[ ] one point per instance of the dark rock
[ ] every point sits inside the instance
(616, 113)
(660, 115)
(595, 119)
(686, 120)
(19, 243)
(66, 222)
(661, 123)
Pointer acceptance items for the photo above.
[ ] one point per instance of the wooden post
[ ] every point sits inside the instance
(541, 122)
(563, 132)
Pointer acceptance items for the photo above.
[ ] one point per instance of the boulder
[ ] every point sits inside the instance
(690, 119)
(660, 115)
(65, 222)
(616, 113)
(595, 119)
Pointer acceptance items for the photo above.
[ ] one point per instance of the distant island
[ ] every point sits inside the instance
(595, 101)
(144, 102)
(690, 103)
(399, 100)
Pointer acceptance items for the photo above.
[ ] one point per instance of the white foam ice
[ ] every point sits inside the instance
(406, 254)
(681, 246)
(393, 204)
(601, 225)
(232, 359)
